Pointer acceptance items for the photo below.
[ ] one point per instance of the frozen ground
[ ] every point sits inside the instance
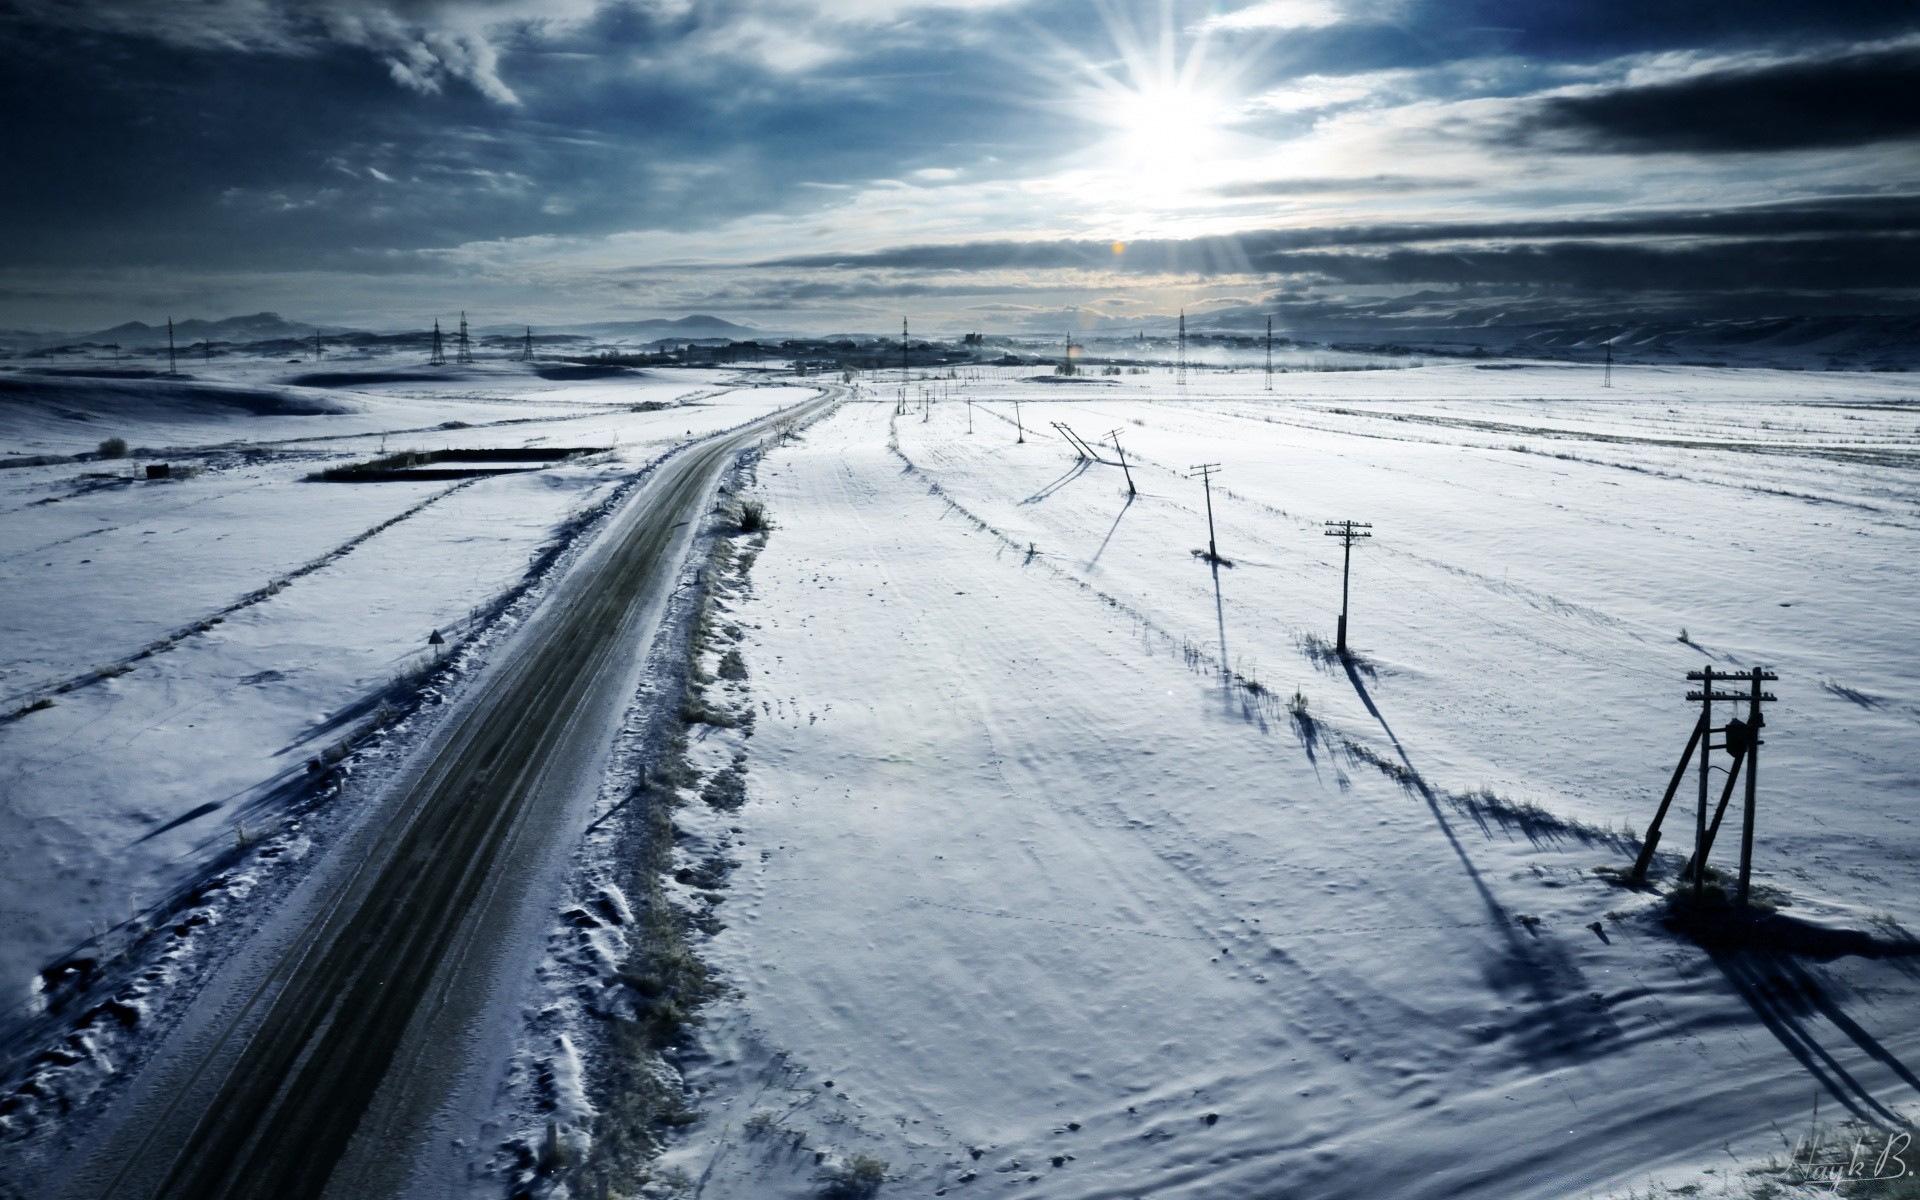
(1036, 891)
(257, 618)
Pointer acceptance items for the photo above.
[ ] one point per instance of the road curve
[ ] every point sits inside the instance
(265, 1099)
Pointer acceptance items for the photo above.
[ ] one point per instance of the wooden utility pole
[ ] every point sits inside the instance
(1114, 437)
(173, 364)
(1269, 354)
(1206, 472)
(1755, 722)
(1022, 429)
(1348, 532)
(1741, 739)
(969, 414)
(1607, 379)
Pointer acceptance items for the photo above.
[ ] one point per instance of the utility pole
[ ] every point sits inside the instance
(969, 414)
(1180, 371)
(1348, 532)
(1022, 439)
(526, 348)
(1607, 379)
(439, 356)
(206, 349)
(1206, 471)
(317, 349)
(1066, 359)
(173, 365)
(903, 364)
(1114, 437)
(1740, 739)
(465, 351)
(1754, 724)
(1269, 354)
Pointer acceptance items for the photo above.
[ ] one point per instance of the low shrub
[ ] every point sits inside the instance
(113, 447)
(859, 1176)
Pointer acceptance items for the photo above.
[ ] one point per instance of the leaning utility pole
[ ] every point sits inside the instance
(465, 352)
(1269, 354)
(1348, 532)
(173, 365)
(1022, 439)
(1206, 471)
(1114, 437)
(1180, 371)
(439, 356)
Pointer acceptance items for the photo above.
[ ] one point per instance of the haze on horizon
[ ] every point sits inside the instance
(828, 164)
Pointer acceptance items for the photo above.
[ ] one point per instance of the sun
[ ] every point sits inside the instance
(1167, 126)
(1165, 101)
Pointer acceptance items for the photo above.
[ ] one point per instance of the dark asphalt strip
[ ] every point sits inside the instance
(283, 1085)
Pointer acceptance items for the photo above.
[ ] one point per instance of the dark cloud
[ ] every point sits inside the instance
(1268, 250)
(1845, 100)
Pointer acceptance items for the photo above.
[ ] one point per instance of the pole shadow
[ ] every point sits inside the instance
(1118, 517)
(1787, 998)
(1074, 472)
(1557, 1025)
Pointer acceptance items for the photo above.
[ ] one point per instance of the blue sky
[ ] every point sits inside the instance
(828, 165)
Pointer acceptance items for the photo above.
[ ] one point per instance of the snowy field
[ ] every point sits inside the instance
(219, 631)
(1069, 865)
(1041, 888)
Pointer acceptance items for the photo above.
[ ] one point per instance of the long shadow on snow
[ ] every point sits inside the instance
(1074, 472)
(1111, 529)
(1560, 1020)
(1787, 998)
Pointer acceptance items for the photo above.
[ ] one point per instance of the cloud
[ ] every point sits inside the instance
(1881, 219)
(1356, 186)
(1851, 99)
(424, 44)
(1279, 14)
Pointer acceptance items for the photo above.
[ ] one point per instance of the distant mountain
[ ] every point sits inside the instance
(1441, 323)
(259, 327)
(697, 326)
